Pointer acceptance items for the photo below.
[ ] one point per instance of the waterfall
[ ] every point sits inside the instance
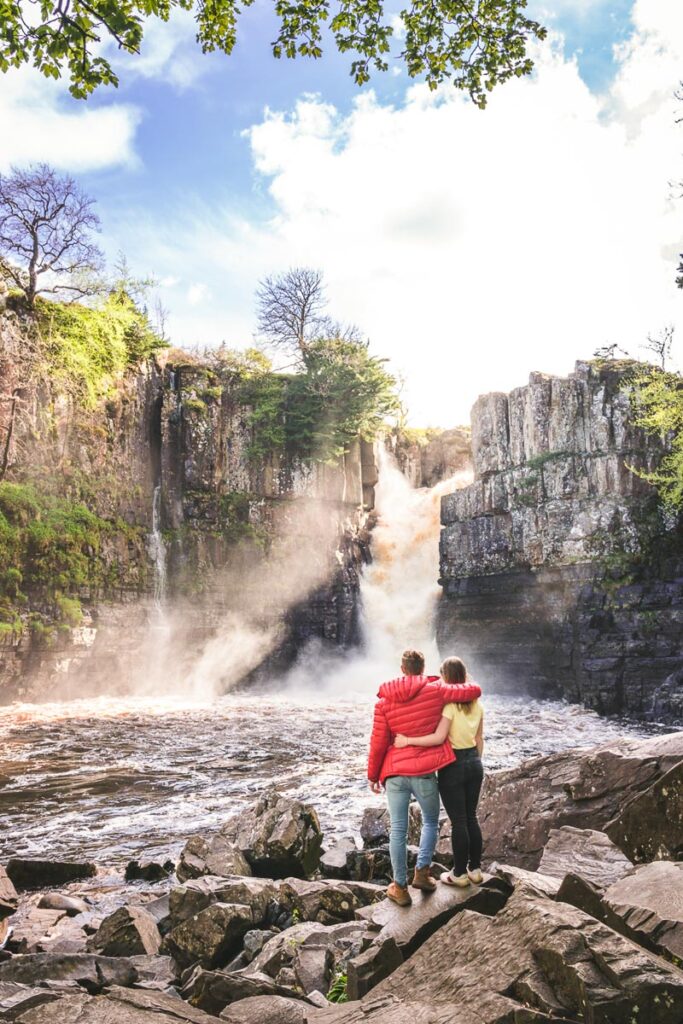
(157, 552)
(399, 590)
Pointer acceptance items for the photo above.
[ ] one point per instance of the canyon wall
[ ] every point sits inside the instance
(249, 539)
(561, 574)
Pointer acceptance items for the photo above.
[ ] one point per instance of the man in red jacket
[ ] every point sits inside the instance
(411, 705)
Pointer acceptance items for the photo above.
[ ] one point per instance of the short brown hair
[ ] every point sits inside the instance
(413, 663)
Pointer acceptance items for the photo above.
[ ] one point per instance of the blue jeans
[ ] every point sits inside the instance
(425, 789)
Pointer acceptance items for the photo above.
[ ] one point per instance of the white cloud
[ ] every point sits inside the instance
(472, 246)
(169, 53)
(197, 293)
(37, 126)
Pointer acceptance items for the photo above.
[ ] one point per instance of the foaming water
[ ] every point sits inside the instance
(113, 779)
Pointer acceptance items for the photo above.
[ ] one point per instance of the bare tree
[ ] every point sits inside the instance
(290, 309)
(46, 224)
(660, 345)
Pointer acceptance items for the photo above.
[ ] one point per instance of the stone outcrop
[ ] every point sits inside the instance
(585, 789)
(585, 852)
(278, 836)
(650, 826)
(129, 931)
(550, 578)
(216, 856)
(428, 457)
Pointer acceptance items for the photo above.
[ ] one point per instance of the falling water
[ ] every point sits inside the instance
(157, 552)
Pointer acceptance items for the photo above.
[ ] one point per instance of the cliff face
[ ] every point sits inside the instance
(264, 539)
(560, 575)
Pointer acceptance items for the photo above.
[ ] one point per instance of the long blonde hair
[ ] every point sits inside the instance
(454, 671)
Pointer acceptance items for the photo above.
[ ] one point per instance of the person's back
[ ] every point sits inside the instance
(414, 702)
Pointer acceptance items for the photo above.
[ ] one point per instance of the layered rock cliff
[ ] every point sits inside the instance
(156, 516)
(561, 574)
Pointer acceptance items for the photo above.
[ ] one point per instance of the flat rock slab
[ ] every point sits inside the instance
(585, 789)
(410, 926)
(39, 874)
(86, 970)
(585, 852)
(32, 929)
(536, 960)
(532, 881)
(212, 991)
(650, 827)
(120, 1006)
(649, 904)
(265, 1010)
(16, 999)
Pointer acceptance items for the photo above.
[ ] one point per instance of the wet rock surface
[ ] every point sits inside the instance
(37, 874)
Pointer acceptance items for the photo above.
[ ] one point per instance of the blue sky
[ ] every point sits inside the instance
(532, 232)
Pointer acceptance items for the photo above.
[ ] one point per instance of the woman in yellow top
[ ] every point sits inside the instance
(459, 782)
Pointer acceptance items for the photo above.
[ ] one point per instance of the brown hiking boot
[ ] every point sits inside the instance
(399, 894)
(423, 880)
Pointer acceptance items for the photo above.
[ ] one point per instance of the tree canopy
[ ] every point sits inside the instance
(475, 43)
(658, 401)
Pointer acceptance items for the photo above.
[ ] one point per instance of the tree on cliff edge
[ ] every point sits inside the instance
(475, 43)
(46, 227)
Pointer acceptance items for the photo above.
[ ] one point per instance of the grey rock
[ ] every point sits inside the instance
(155, 972)
(129, 931)
(148, 870)
(254, 941)
(583, 852)
(88, 971)
(650, 827)
(215, 856)
(278, 836)
(531, 881)
(71, 905)
(211, 937)
(647, 907)
(312, 965)
(15, 999)
(376, 825)
(32, 929)
(324, 901)
(36, 874)
(375, 964)
(119, 1006)
(212, 991)
(536, 960)
(265, 1010)
(187, 900)
(333, 861)
(8, 895)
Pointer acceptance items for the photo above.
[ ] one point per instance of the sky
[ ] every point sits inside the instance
(471, 247)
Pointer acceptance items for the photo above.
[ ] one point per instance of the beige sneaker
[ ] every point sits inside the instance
(399, 894)
(423, 880)
(461, 881)
(475, 876)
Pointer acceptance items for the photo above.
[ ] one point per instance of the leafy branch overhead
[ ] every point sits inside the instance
(475, 43)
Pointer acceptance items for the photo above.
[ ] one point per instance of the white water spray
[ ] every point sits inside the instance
(157, 552)
(399, 590)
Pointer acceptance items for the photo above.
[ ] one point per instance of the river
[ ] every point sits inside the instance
(114, 778)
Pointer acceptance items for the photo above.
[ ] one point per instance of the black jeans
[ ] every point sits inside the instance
(460, 786)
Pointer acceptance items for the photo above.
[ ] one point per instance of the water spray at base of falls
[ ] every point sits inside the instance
(157, 552)
(398, 590)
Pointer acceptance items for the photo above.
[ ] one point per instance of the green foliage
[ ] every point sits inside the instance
(338, 988)
(538, 461)
(87, 349)
(657, 399)
(197, 405)
(476, 45)
(49, 548)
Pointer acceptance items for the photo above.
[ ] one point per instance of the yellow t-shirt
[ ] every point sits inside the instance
(464, 724)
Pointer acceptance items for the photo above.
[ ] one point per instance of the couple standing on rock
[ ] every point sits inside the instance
(423, 725)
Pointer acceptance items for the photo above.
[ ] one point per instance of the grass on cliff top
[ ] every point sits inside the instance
(87, 349)
(49, 548)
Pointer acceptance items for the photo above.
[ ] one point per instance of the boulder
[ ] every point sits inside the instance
(38, 874)
(257, 893)
(120, 1006)
(159, 909)
(376, 825)
(584, 852)
(532, 881)
(534, 961)
(212, 991)
(520, 807)
(15, 999)
(650, 827)
(370, 967)
(129, 931)
(333, 861)
(313, 964)
(308, 954)
(155, 972)
(8, 895)
(216, 856)
(32, 928)
(324, 901)
(649, 907)
(93, 973)
(265, 1010)
(410, 927)
(71, 905)
(278, 836)
(148, 870)
(211, 937)
(254, 941)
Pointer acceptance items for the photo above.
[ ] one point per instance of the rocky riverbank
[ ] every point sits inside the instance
(577, 918)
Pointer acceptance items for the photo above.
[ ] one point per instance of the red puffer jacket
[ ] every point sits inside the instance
(412, 705)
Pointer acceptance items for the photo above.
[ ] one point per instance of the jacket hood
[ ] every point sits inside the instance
(404, 688)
